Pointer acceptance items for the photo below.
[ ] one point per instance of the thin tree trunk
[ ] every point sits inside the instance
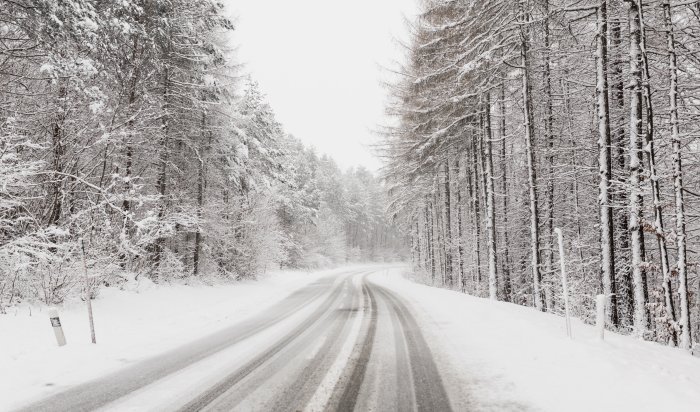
(448, 224)
(507, 292)
(531, 170)
(654, 178)
(435, 235)
(439, 221)
(635, 164)
(200, 202)
(549, 138)
(474, 179)
(460, 228)
(605, 168)
(429, 239)
(624, 287)
(490, 202)
(161, 183)
(418, 257)
(682, 265)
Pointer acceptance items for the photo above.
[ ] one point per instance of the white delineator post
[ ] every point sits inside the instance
(600, 315)
(564, 284)
(87, 292)
(57, 329)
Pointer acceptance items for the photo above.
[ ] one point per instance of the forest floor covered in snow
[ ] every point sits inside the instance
(500, 356)
(514, 358)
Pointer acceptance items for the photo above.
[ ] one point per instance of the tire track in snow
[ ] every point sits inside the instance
(223, 386)
(352, 387)
(428, 389)
(287, 380)
(325, 391)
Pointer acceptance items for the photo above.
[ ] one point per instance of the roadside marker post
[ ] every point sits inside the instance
(600, 302)
(57, 328)
(87, 293)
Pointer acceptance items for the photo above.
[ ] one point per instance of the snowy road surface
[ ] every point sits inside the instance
(341, 343)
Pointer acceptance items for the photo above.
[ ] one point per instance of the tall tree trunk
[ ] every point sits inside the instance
(507, 292)
(549, 138)
(448, 223)
(201, 178)
(619, 143)
(636, 169)
(476, 210)
(429, 238)
(435, 236)
(654, 178)
(418, 257)
(531, 170)
(682, 264)
(460, 227)
(162, 183)
(490, 202)
(439, 222)
(607, 240)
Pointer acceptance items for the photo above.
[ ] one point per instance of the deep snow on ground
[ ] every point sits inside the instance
(511, 357)
(131, 325)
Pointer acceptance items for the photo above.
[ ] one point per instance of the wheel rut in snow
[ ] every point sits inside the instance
(224, 385)
(429, 391)
(352, 388)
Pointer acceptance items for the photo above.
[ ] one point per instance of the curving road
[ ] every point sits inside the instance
(343, 343)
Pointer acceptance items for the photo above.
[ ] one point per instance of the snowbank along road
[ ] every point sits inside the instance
(342, 343)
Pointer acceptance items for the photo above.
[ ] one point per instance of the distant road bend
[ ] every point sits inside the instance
(343, 343)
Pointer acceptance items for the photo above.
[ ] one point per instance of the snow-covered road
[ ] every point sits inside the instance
(342, 342)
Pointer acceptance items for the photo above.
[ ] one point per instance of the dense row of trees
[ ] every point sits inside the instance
(123, 122)
(514, 118)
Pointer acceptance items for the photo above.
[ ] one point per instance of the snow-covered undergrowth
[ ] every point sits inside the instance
(509, 356)
(130, 325)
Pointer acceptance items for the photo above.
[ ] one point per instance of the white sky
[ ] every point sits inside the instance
(320, 64)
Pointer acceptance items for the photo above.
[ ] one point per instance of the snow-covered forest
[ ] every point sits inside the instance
(411, 205)
(514, 118)
(128, 124)
(129, 127)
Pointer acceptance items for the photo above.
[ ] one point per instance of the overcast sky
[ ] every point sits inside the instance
(320, 64)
